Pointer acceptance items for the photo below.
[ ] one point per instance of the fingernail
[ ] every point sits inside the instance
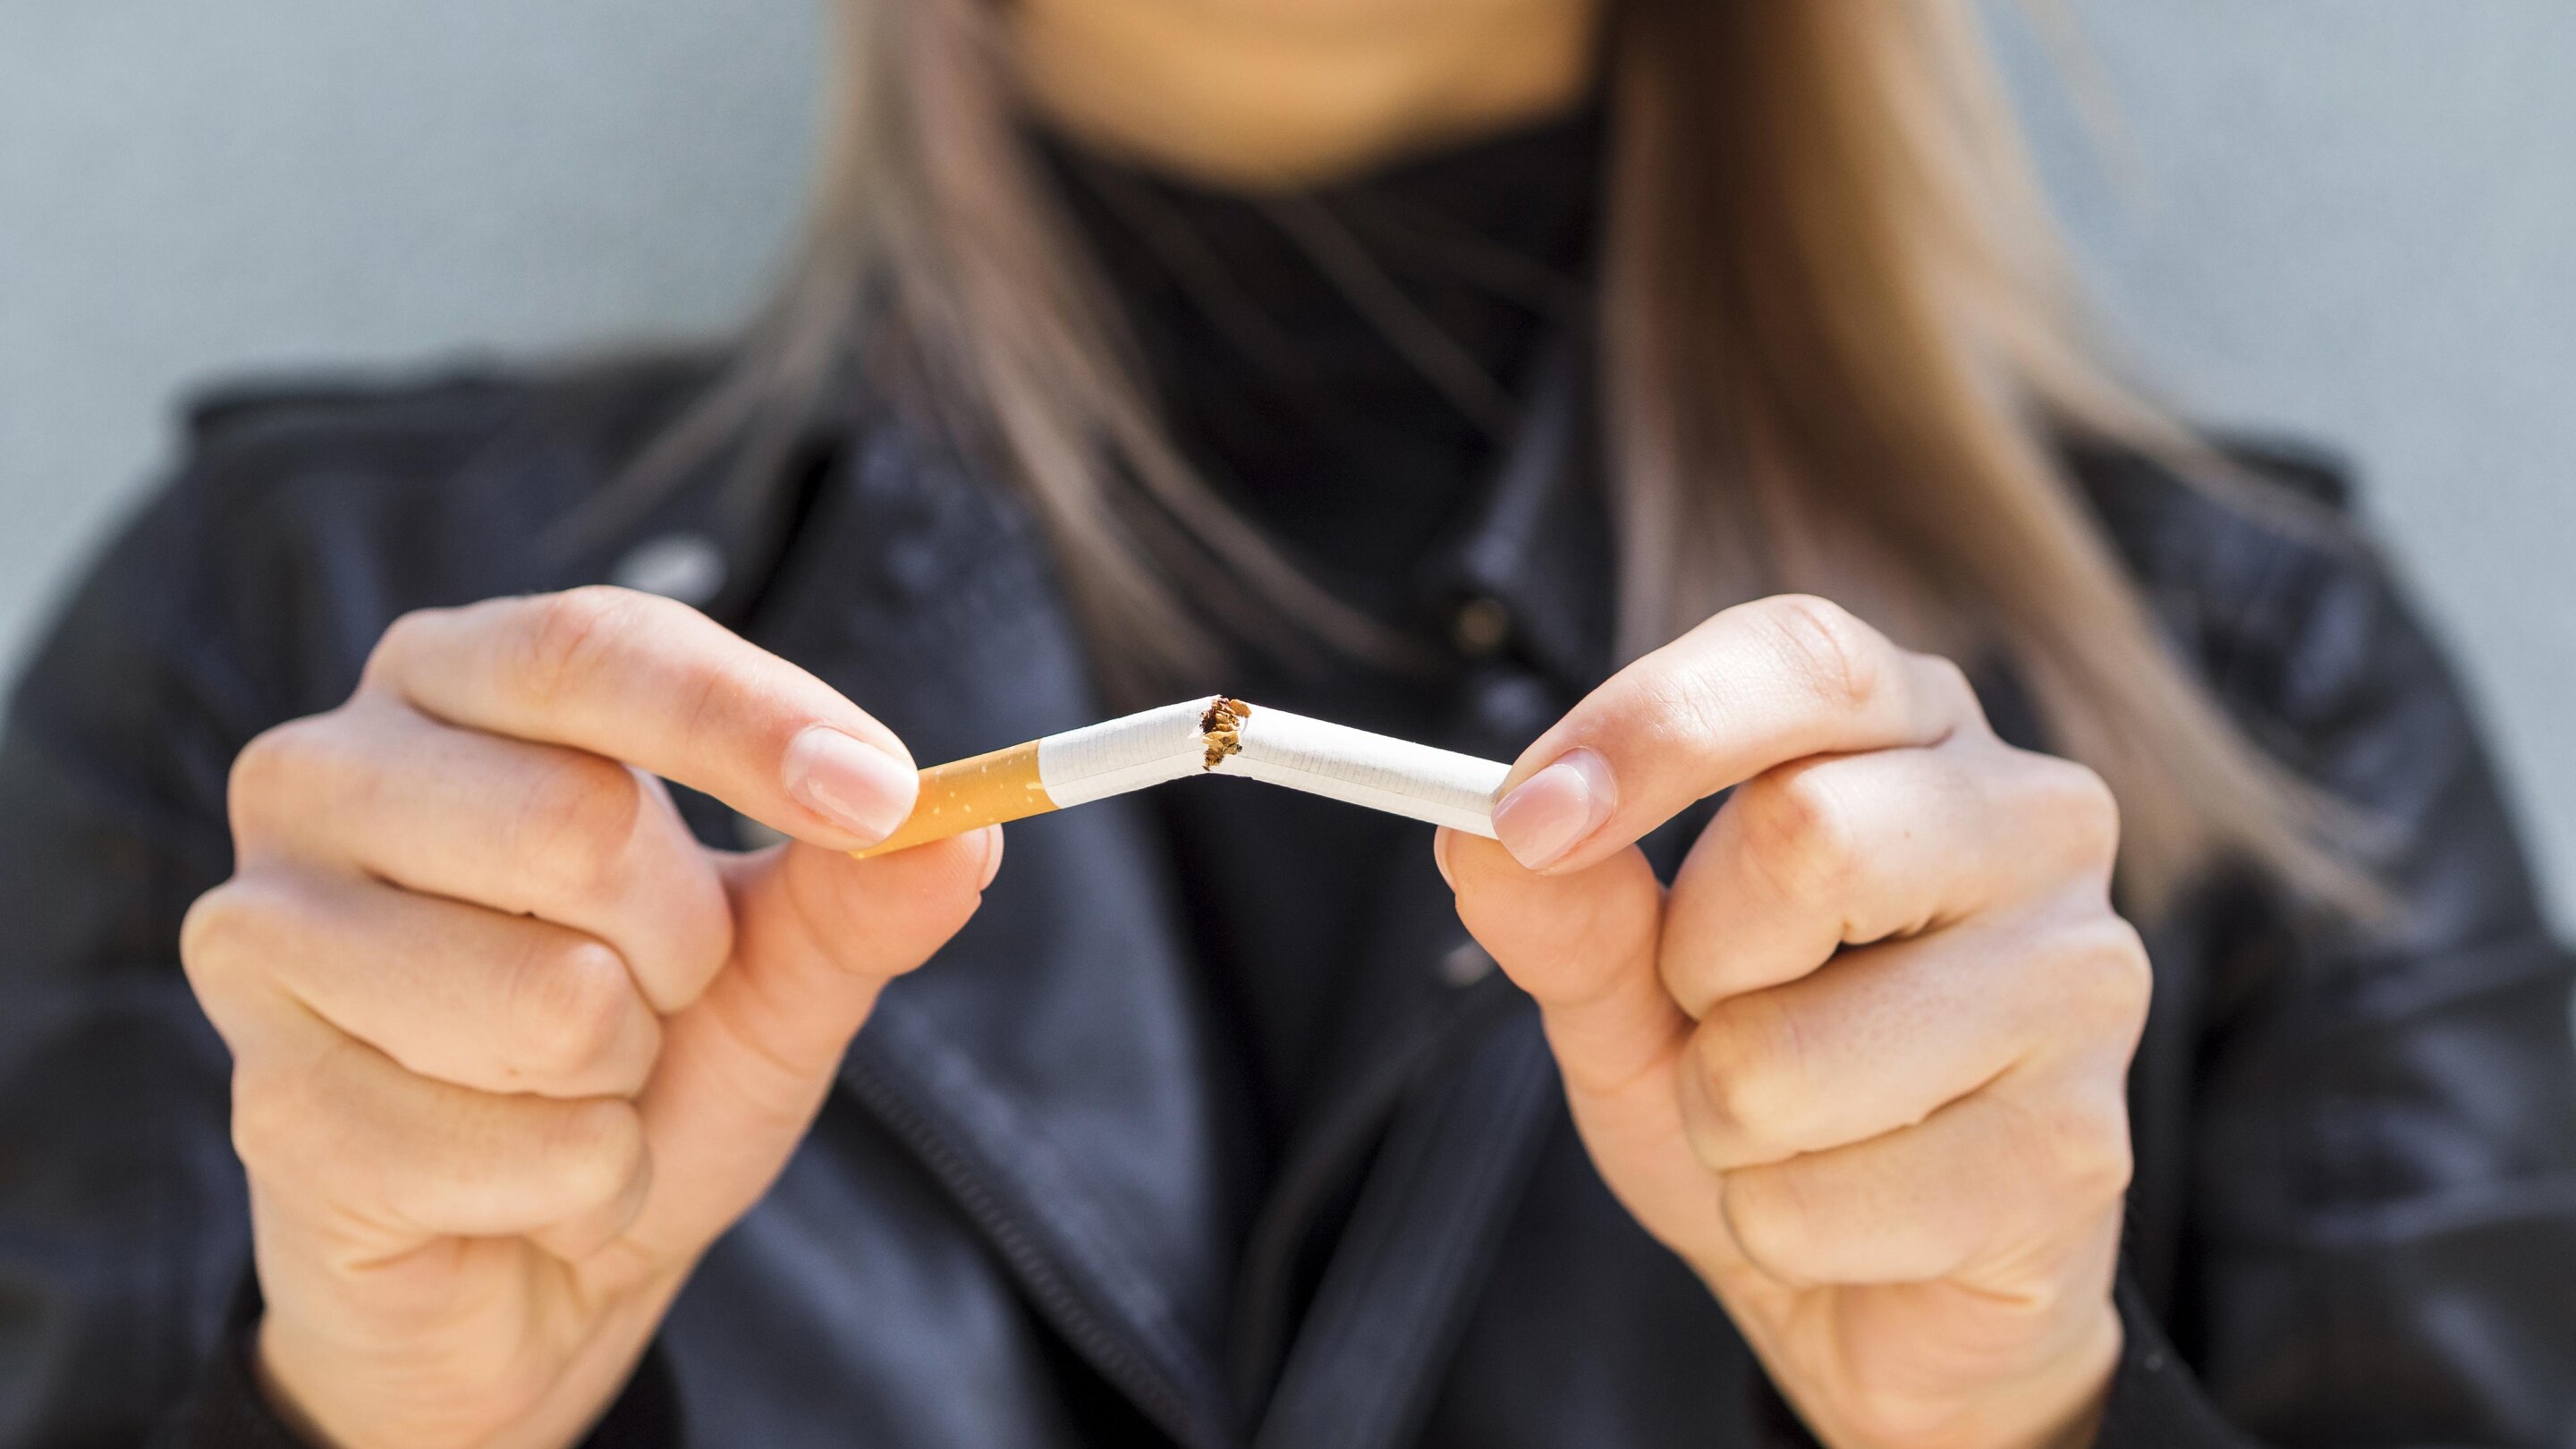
(1440, 855)
(992, 856)
(1554, 810)
(855, 785)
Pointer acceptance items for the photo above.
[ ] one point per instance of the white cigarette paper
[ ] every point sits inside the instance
(1359, 768)
(1277, 748)
(1202, 736)
(1119, 755)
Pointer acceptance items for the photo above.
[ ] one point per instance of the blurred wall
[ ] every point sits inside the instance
(2356, 222)
(190, 191)
(2351, 221)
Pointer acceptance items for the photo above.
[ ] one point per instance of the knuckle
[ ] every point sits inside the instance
(263, 766)
(2080, 803)
(1842, 660)
(2086, 1150)
(218, 935)
(292, 773)
(1804, 839)
(401, 637)
(1945, 689)
(597, 1148)
(1749, 1068)
(273, 1123)
(255, 1123)
(278, 763)
(1770, 1222)
(569, 1005)
(2110, 966)
(1943, 677)
(2100, 1166)
(574, 822)
(235, 932)
(565, 639)
(713, 695)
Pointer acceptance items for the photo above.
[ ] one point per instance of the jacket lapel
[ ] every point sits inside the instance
(1048, 1066)
(1052, 1068)
(1455, 1108)
(1439, 1085)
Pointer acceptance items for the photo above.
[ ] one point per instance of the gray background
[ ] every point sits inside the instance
(2347, 220)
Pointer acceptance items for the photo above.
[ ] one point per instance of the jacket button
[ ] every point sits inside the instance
(1480, 626)
(683, 566)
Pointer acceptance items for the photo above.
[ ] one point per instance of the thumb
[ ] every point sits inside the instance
(1583, 945)
(743, 1070)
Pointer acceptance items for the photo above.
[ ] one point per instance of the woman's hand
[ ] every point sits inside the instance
(1863, 1066)
(510, 1048)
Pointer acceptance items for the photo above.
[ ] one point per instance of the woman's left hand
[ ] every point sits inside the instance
(1863, 1066)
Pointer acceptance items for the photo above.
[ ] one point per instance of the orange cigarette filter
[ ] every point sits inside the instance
(969, 794)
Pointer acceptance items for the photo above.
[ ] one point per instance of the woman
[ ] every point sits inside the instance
(1485, 371)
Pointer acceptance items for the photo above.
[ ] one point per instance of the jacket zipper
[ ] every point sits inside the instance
(1063, 1305)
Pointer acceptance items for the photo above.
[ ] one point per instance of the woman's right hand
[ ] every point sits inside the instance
(510, 1048)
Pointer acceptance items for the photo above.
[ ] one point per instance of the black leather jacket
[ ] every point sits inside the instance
(2354, 1219)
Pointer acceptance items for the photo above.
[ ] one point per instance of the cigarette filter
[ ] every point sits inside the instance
(1204, 736)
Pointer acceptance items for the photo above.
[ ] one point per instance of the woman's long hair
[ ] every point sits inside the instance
(1836, 356)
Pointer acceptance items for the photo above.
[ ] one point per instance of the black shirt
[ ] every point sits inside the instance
(1348, 367)
(1345, 365)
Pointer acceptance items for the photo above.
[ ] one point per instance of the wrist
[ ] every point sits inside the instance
(2055, 1404)
(428, 1395)
(260, 1359)
(2087, 1373)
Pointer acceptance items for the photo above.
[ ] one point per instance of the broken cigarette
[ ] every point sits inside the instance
(1216, 736)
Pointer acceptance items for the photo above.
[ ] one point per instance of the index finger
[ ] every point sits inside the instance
(658, 685)
(1756, 686)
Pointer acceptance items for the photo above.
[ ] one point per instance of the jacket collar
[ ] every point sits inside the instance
(1046, 1068)
(1052, 1066)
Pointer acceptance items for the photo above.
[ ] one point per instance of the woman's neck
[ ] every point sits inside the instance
(1261, 94)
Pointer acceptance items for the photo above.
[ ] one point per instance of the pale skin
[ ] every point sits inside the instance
(511, 1049)
(1862, 1066)
(1263, 93)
